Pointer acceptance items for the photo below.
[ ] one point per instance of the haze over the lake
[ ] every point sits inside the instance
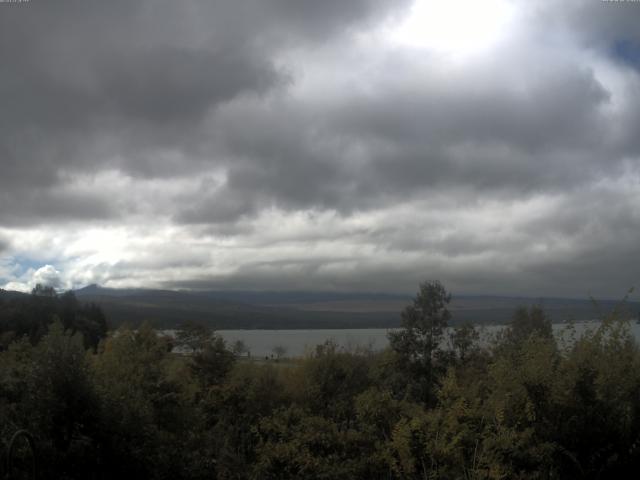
(361, 145)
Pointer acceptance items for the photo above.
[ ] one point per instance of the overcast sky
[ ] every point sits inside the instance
(360, 145)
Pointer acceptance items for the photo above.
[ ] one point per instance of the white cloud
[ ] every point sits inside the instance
(47, 276)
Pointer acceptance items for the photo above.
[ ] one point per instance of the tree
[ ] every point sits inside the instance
(87, 319)
(463, 340)
(32, 315)
(62, 403)
(417, 343)
(526, 322)
(239, 348)
(330, 380)
(213, 362)
(194, 336)
(279, 351)
(142, 416)
(43, 291)
(232, 410)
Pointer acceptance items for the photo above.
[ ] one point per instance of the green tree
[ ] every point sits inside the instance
(328, 381)
(526, 322)
(61, 404)
(43, 291)
(417, 343)
(239, 348)
(211, 363)
(279, 351)
(464, 340)
(145, 418)
(192, 336)
(233, 409)
(211, 360)
(32, 315)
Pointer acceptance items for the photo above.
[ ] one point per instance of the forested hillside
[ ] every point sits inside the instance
(121, 404)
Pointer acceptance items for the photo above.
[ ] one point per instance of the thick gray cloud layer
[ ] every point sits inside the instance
(291, 144)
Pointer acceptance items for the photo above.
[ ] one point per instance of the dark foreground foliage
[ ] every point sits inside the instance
(434, 405)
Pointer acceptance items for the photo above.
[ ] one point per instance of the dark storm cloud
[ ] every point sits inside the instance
(132, 73)
(599, 24)
(67, 63)
(49, 206)
(312, 20)
(86, 85)
(171, 84)
(92, 74)
(223, 206)
(544, 133)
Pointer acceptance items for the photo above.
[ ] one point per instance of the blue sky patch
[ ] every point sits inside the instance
(23, 264)
(628, 51)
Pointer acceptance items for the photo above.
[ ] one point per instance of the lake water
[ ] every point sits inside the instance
(300, 342)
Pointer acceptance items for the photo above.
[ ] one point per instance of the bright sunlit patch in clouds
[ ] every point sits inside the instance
(457, 27)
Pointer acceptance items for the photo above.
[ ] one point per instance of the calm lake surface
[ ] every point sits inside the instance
(300, 342)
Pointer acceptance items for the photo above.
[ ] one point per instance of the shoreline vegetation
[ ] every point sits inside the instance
(436, 403)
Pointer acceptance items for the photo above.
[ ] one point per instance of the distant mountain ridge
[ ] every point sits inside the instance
(309, 310)
(8, 294)
(248, 296)
(316, 310)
